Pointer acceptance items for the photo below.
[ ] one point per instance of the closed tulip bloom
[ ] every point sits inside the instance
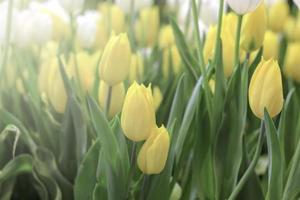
(166, 37)
(136, 68)
(116, 100)
(171, 61)
(243, 6)
(271, 45)
(253, 29)
(115, 61)
(154, 152)
(292, 62)
(297, 2)
(292, 28)
(265, 90)
(138, 114)
(278, 15)
(148, 19)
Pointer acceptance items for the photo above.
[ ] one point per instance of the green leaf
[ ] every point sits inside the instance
(188, 116)
(19, 165)
(187, 57)
(86, 179)
(275, 178)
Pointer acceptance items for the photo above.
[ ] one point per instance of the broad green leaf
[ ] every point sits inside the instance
(275, 178)
(19, 165)
(86, 178)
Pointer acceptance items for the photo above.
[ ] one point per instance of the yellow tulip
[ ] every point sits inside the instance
(253, 29)
(265, 90)
(147, 26)
(154, 152)
(278, 15)
(115, 61)
(228, 43)
(138, 114)
(292, 61)
(271, 45)
(136, 71)
(112, 20)
(171, 58)
(157, 97)
(87, 65)
(116, 99)
(166, 37)
(292, 28)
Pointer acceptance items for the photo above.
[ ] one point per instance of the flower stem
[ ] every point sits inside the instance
(252, 165)
(237, 40)
(108, 100)
(219, 29)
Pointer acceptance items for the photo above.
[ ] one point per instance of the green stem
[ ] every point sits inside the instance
(252, 165)
(219, 29)
(108, 100)
(295, 164)
(237, 40)
(132, 167)
(7, 36)
(144, 187)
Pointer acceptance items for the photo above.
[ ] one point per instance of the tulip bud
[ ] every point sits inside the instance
(157, 97)
(253, 29)
(265, 90)
(72, 6)
(137, 5)
(116, 99)
(115, 61)
(136, 68)
(243, 6)
(292, 61)
(292, 28)
(271, 45)
(278, 14)
(171, 61)
(154, 152)
(297, 2)
(149, 17)
(166, 37)
(138, 114)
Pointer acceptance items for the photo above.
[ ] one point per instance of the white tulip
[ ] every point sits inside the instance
(243, 6)
(72, 6)
(125, 5)
(209, 11)
(87, 26)
(297, 2)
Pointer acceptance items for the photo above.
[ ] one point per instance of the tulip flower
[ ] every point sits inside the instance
(292, 28)
(166, 37)
(278, 15)
(292, 62)
(149, 17)
(242, 7)
(138, 113)
(136, 68)
(253, 29)
(116, 99)
(171, 60)
(72, 6)
(265, 90)
(157, 97)
(297, 2)
(115, 61)
(154, 152)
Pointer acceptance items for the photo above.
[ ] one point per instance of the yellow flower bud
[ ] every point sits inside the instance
(271, 45)
(265, 90)
(292, 28)
(138, 114)
(292, 61)
(228, 43)
(115, 61)
(166, 37)
(278, 14)
(157, 97)
(171, 58)
(253, 29)
(87, 65)
(116, 99)
(149, 19)
(136, 71)
(154, 152)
